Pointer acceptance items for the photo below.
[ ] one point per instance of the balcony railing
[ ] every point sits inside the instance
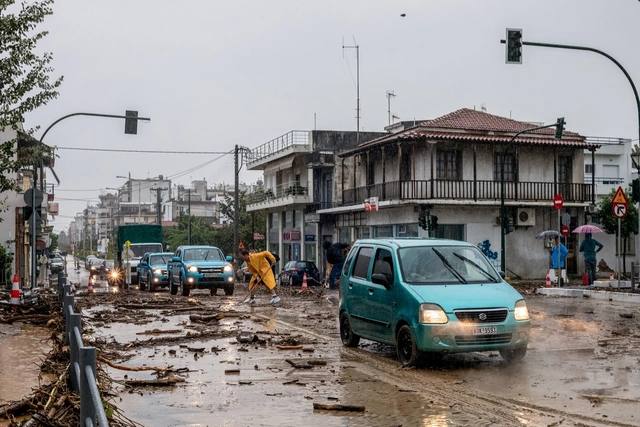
(281, 143)
(468, 190)
(278, 192)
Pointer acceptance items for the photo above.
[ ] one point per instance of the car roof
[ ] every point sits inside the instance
(409, 242)
(159, 253)
(197, 247)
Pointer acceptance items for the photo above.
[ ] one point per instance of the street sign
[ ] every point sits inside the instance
(558, 201)
(564, 230)
(258, 236)
(566, 219)
(241, 246)
(28, 197)
(619, 210)
(620, 197)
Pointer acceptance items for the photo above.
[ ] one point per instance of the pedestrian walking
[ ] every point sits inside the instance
(259, 264)
(558, 255)
(335, 257)
(588, 248)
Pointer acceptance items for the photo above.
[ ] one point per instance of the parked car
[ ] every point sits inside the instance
(293, 273)
(429, 296)
(56, 264)
(152, 270)
(95, 266)
(88, 260)
(198, 267)
(243, 274)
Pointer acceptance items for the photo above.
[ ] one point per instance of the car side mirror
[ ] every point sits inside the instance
(229, 258)
(176, 259)
(381, 279)
(502, 274)
(143, 263)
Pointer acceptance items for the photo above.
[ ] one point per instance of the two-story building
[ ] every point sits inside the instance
(461, 169)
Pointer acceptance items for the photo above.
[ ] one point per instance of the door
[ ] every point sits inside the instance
(356, 289)
(381, 304)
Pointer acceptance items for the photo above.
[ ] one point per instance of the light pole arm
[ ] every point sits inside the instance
(113, 116)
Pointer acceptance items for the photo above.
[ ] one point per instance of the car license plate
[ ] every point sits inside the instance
(212, 275)
(485, 330)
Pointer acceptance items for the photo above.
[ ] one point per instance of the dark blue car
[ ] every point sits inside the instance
(293, 273)
(152, 270)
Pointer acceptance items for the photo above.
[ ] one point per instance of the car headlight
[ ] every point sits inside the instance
(193, 269)
(114, 274)
(521, 311)
(227, 268)
(433, 314)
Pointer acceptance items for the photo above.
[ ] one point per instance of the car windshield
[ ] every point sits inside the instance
(446, 264)
(56, 261)
(159, 259)
(202, 254)
(305, 265)
(109, 264)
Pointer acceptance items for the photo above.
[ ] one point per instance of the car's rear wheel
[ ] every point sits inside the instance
(185, 288)
(407, 349)
(228, 289)
(348, 337)
(513, 356)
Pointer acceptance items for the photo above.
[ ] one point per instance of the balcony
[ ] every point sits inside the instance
(469, 190)
(290, 143)
(291, 193)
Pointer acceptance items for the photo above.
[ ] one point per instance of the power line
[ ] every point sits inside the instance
(114, 150)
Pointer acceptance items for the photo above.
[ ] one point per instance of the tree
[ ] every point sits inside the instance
(201, 232)
(24, 81)
(250, 222)
(54, 241)
(628, 224)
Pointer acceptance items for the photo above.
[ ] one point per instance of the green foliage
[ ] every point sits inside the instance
(609, 222)
(202, 233)
(24, 79)
(54, 241)
(6, 259)
(250, 222)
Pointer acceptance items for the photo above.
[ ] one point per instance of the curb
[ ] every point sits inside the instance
(585, 293)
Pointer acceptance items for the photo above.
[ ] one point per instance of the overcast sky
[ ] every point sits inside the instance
(212, 74)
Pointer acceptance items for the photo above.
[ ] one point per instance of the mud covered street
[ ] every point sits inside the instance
(210, 360)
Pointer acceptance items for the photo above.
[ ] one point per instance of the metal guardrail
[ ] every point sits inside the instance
(83, 362)
(289, 139)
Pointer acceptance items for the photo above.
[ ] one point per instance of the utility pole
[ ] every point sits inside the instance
(357, 48)
(139, 209)
(236, 208)
(158, 204)
(189, 211)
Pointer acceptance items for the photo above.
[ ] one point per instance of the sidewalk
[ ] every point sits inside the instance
(587, 292)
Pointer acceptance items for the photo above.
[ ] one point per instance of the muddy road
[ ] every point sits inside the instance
(212, 361)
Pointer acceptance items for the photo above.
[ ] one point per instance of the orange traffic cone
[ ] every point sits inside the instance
(15, 291)
(585, 279)
(90, 290)
(304, 282)
(547, 282)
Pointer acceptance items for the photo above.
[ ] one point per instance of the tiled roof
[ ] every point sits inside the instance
(477, 126)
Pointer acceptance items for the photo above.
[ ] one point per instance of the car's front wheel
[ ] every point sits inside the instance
(513, 356)
(185, 287)
(407, 349)
(143, 285)
(173, 289)
(228, 289)
(348, 337)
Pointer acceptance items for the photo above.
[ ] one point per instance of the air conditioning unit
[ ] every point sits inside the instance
(591, 209)
(526, 217)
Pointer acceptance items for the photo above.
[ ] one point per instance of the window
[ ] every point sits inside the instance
(509, 167)
(565, 169)
(384, 264)
(449, 231)
(449, 164)
(588, 168)
(361, 267)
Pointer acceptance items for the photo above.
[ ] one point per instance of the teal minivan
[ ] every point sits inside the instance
(429, 296)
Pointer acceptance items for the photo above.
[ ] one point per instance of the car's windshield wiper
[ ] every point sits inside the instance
(477, 267)
(206, 255)
(449, 266)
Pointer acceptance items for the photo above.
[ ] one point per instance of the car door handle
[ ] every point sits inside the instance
(370, 291)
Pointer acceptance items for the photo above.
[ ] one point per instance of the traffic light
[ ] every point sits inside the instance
(509, 224)
(434, 222)
(422, 220)
(635, 189)
(559, 127)
(514, 46)
(131, 125)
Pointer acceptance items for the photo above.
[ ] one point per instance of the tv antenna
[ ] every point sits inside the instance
(357, 48)
(390, 94)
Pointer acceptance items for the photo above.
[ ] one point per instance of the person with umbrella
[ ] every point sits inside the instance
(588, 247)
(558, 254)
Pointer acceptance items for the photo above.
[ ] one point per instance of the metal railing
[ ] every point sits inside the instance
(83, 362)
(279, 191)
(289, 139)
(467, 190)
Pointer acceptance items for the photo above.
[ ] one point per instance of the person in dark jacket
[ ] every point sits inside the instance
(335, 257)
(588, 247)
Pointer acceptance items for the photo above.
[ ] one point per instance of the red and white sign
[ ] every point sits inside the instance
(619, 204)
(371, 204)
(558, 201)
(258, 236)
(564, 230)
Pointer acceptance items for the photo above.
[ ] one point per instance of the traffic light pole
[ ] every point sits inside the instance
(503, 213)
(633, 86)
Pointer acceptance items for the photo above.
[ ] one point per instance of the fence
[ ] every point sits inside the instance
(83, 362)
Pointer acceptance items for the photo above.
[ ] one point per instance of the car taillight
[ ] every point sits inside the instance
(294, 270)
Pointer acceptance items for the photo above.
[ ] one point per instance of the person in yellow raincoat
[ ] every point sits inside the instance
(259, 264)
